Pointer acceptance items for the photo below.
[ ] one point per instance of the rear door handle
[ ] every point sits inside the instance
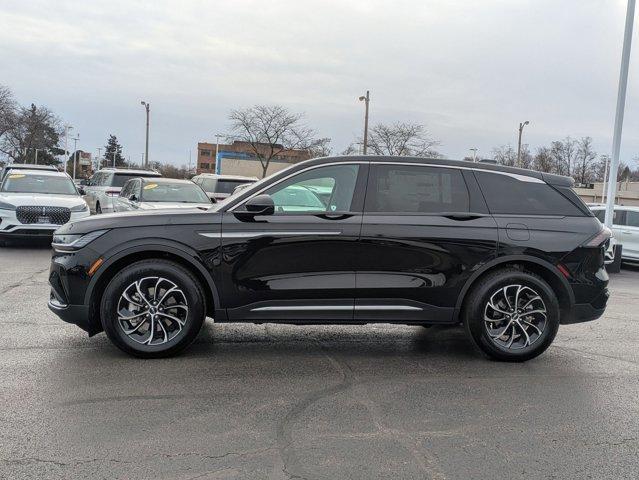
(462, 215)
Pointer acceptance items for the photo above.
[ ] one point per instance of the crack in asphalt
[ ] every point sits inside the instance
(24, 281)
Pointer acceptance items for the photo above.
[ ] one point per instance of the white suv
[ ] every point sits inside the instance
(625, 227)
(37, 202)
(104, 187)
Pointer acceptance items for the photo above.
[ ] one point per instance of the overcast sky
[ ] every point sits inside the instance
(470, 70)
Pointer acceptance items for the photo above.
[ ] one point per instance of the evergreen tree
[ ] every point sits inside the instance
(114, 148)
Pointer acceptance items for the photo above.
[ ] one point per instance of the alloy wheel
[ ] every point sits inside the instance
(515, 317)
(152, 311)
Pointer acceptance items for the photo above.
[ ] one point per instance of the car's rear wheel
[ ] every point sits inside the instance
(98, 209)
(512, 315)
(152, 308)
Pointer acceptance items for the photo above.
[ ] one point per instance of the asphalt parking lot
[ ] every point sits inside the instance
(285, 402)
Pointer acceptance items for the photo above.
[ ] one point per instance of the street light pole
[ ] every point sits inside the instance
(97, 160)
(621, 103)
(36, 155)
(474, 150)
(521, 129)
(366, 99)
(75, 152)
(66, 146)
(146, 106)
(218, 166)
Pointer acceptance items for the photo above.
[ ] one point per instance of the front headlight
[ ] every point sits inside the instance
(83, 207)
(7, 206)
(75, 242)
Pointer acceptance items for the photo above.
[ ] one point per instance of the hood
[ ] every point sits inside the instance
(41, 199)
(171, 205)
(142, 218)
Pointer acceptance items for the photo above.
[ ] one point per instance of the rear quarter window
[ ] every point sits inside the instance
(508, 195)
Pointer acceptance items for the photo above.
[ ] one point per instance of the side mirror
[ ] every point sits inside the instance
(81, 190)
(133, 197)
(259, 205)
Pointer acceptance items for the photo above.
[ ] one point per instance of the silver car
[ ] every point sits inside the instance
(625, 227)
(104, 187)
(160, 193)
(219, 187)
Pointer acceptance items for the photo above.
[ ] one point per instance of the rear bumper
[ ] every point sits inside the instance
(586, 312)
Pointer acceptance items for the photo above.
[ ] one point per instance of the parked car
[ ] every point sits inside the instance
(219, 187)
(510, 253)
(37, 202)
(104, 186)
(25, 166)
(625, 228)
(160, 193)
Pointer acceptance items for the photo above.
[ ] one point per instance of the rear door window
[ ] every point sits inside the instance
(632, 218)
(416, 189)
(508, 195)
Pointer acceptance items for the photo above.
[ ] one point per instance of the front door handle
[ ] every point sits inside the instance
(334, 216)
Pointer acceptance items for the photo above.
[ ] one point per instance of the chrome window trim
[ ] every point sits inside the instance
(517, 176)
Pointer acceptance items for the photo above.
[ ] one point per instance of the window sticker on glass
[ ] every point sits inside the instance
(17, 175)
(150, 186)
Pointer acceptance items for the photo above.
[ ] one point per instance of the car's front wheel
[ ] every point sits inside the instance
(512, 315)
(153, 308)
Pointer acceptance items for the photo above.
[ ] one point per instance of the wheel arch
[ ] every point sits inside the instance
(132, 254)
(546, 270)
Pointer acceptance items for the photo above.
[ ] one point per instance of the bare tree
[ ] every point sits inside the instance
(8, 112)
(505, 155)
(270, 130)
(33, 128)
(543, 161)
(402, 139)
(583, 168)
(563, 154)
(320, 148)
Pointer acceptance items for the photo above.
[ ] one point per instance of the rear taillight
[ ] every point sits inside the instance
(598, 240)
(112, 193)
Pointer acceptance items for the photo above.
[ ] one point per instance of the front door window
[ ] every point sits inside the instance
(321, 190)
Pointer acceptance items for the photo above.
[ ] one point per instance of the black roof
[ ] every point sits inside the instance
(550, 178)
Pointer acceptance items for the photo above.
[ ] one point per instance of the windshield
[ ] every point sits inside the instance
(173, 192)
(23, 183)
(119, 179)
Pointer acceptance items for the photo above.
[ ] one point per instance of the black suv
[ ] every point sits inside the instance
(510, 253)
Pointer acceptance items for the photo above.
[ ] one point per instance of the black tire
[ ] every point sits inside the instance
(98, 209)
(615, 266)
(492, 287)
(193, 316)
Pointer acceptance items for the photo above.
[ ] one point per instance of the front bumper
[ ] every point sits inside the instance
(75, 314)
(10, 226)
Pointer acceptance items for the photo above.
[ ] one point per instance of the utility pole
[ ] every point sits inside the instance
(75, 152)
(146, 106)
(218, 165)
(474, 150)
(366, 99)
(66, 146)
(621, 103)
(603, 190)
(521, 129)
(36, 155)
(97, 160)
(114, 159)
